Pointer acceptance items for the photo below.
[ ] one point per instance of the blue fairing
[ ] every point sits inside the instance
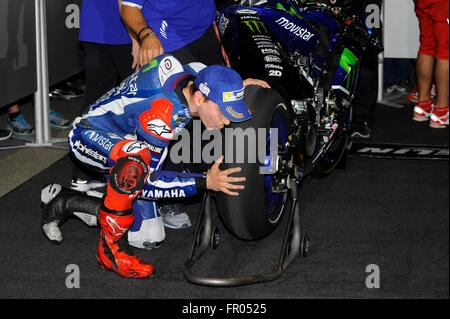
(326, 20)
(291, 27)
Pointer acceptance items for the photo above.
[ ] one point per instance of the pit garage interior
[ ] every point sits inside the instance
(382, 210)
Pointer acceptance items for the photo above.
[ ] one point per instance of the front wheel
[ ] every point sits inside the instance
(258, 209)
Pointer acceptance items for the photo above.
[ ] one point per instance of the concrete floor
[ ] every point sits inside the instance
(18, 161)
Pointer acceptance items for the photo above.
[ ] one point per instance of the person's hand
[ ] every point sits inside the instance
(151, 47)
(220, 181)
(135, 48)
(261, 83)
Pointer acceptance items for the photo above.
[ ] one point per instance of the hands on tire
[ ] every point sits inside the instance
(221, 181)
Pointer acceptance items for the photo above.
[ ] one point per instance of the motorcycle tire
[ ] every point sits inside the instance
(257, 211)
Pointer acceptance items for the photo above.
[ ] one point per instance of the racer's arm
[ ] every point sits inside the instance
(169, 184)
(134, 20)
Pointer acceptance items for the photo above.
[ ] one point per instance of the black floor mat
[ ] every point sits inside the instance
(386, 212)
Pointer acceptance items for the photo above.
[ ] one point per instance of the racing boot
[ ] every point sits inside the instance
(125, 183)
(59, 204)
(113, 253)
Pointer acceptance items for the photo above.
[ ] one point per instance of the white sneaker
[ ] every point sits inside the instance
(174, 217)
(150, 236)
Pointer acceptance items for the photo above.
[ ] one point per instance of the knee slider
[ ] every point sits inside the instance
(129, 174)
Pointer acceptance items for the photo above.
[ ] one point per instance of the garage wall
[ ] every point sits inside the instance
(18, 45)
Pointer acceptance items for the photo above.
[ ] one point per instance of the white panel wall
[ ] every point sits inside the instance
(401, 29)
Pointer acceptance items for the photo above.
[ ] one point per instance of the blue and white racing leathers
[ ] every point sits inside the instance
(147, 107)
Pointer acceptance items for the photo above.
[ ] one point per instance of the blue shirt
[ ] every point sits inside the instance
(100, 22)
(176, 22)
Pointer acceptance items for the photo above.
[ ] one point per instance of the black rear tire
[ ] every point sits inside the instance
(246, 216)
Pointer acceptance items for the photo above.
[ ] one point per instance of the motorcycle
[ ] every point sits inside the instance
(310, 54)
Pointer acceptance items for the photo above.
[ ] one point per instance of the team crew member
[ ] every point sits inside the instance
(107, 48)
(127, 133)
(433, 56)
(183, 28)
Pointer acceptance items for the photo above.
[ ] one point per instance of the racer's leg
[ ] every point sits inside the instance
(147, 231)
(127, 178)
(127, 162)
(60, 203)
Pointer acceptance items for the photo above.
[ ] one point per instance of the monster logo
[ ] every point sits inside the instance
(255, 25)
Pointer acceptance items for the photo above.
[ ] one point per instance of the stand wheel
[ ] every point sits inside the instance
(304, 246)
(215, 238)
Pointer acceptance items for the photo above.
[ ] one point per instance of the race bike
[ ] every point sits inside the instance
(310, 54)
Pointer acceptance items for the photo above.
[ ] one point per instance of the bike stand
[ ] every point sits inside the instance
(293, 242)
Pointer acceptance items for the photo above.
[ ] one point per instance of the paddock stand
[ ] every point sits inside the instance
(204, 237)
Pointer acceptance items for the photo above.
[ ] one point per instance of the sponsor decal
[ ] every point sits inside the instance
(203, 87)
(116, 229)
(186, 112)
(168, 67)
(272, 58)
(171, 193)
(167, 64)
(261, 37)
(233, 96)
(256, 26)
(155, 149)
(234, 113)
(100, 140)
(163, 28)
(223, 24)
(134, 147)
(246, 11)
(401, 151)
(266, 43)
(273, 66)
(269, 51)
(298, 31)
(159, 128)
(91, 153)
(179, 120)
(275, 73)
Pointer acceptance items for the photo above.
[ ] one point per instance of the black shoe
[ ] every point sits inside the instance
(5, 134)
(361, 130)
(59, 204)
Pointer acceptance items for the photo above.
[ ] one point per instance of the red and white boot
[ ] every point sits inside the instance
(112, 251)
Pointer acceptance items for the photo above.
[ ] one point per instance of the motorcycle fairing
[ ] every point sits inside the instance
(346, 65)
(255, 51)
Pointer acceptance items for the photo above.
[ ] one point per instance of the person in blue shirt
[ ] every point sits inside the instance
(126, 134)
(107, 46)
(108, 60)
(183, 28)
